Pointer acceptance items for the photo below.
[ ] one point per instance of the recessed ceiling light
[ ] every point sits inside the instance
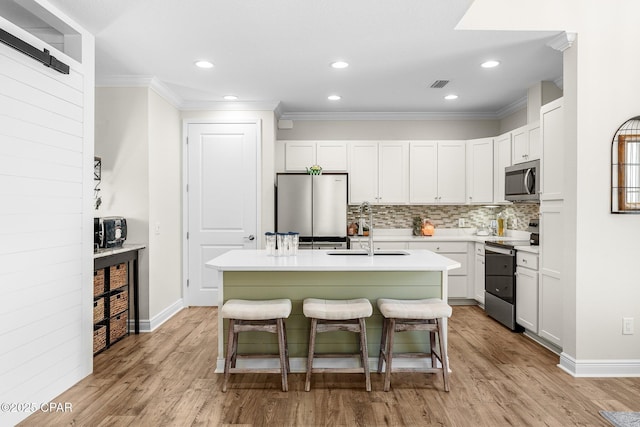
(490, 64)
(204, 64)
(451, 97)
(334, 97)
(230, 97)
(339, 64)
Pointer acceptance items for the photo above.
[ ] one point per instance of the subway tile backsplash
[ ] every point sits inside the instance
(446, 216)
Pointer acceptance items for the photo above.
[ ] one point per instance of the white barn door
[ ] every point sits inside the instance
(222, 200)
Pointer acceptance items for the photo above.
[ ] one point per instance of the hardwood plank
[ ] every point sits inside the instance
(499, 378)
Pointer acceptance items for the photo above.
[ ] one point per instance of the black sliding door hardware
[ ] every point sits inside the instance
(31, 51)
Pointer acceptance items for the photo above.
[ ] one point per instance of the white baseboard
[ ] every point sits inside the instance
(149, 325)
(599, 368)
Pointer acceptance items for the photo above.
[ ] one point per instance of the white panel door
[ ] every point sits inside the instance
(222, 200)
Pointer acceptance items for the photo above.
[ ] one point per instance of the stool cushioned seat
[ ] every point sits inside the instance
(256, 310)
(337, 309)
(432, 308)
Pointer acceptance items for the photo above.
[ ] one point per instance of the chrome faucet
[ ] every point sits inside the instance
(361, 209)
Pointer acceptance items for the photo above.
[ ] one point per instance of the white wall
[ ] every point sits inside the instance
(122, 135)
(389, 129)
(165, 212)
(46, 255)
(268, 132)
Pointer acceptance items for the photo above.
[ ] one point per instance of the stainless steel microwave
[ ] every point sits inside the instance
(522, 182)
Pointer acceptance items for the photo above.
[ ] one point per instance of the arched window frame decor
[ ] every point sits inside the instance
(625, 168)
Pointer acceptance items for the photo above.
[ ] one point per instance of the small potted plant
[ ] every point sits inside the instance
(417, 226)
(315, 170)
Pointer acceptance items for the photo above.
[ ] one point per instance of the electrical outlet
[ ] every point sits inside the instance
(461, 222)
(627, 326)
(157, 228)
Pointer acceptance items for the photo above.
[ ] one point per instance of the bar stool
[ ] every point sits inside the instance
(413, 315)
(337, 315)
(259, 315)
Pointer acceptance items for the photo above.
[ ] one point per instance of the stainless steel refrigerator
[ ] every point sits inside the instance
(314, 206)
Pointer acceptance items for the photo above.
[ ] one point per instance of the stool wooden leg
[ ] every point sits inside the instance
(312, 346)
(234, 353)
(443, 356)
(229, 355)
(286, 345)
(364, 353)
(391, 328)
(282, 353)
(383, 345)
(432, 343)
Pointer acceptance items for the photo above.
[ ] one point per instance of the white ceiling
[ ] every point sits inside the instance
(277, 52)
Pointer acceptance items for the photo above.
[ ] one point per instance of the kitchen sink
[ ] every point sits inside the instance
(364, 253)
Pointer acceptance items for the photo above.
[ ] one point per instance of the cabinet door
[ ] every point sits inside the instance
(451, 172)
(389, 245)
(502, 159)
(551, 271)
(299, 155)
(552, 136)
(393, 173)
(363, 173)
(332, 155)
(535, 146)
(480, 170)
(478, 283)
(527, 298)
(520, 138)
(423, 172)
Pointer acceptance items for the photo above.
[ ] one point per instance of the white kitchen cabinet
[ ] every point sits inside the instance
(501, 159)
(377, 245)
(480, 170)
(330, 155)
(379, 172)
(437, 172)
(552, 133)
(478, 273)
(526, 143)
(527, 291)
(551, 271)
(458, 251)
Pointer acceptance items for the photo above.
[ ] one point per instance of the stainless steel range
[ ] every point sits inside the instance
(500, 281)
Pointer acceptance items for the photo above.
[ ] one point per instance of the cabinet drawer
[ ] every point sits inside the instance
(440, 247)
(480, 249)
(118, 302)
(462, 259)
(527, 259)
(389, 245)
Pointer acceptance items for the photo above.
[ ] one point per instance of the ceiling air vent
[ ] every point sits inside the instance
(439, 84)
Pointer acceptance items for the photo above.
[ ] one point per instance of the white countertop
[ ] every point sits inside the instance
(318, 260)
(440, 235)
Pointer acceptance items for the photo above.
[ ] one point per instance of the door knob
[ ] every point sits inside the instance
(251, 237)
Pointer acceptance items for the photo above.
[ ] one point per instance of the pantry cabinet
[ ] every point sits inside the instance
(379, 172)
(437, 172)
(480, 170)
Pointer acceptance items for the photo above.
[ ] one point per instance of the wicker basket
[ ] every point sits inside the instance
(98, 310)
(118, 302)
(98, 282)
(118, 276)
(99, 337)
(118, 325)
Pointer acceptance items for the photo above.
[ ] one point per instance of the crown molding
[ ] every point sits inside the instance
(562, 41)
(230, 106)
(150, 82)
(352, 115)
(507, 110)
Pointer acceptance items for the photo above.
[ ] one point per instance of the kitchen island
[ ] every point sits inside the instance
(252, 274)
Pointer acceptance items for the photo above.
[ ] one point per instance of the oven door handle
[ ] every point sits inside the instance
(527, 186)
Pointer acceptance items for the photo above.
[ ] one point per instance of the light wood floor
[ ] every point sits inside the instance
(499, 379)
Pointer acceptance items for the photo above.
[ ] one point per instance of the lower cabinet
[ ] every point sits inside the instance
(110, 305)
(527, 291)
(457, 251)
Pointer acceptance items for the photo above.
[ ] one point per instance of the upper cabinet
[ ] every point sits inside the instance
(437, 172)
(379, 172)
(480, 170)
(526, 143)
(501, 159)
(551, 117)
(330, 155)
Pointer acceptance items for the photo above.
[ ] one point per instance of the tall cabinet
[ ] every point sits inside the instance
(552, 219)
